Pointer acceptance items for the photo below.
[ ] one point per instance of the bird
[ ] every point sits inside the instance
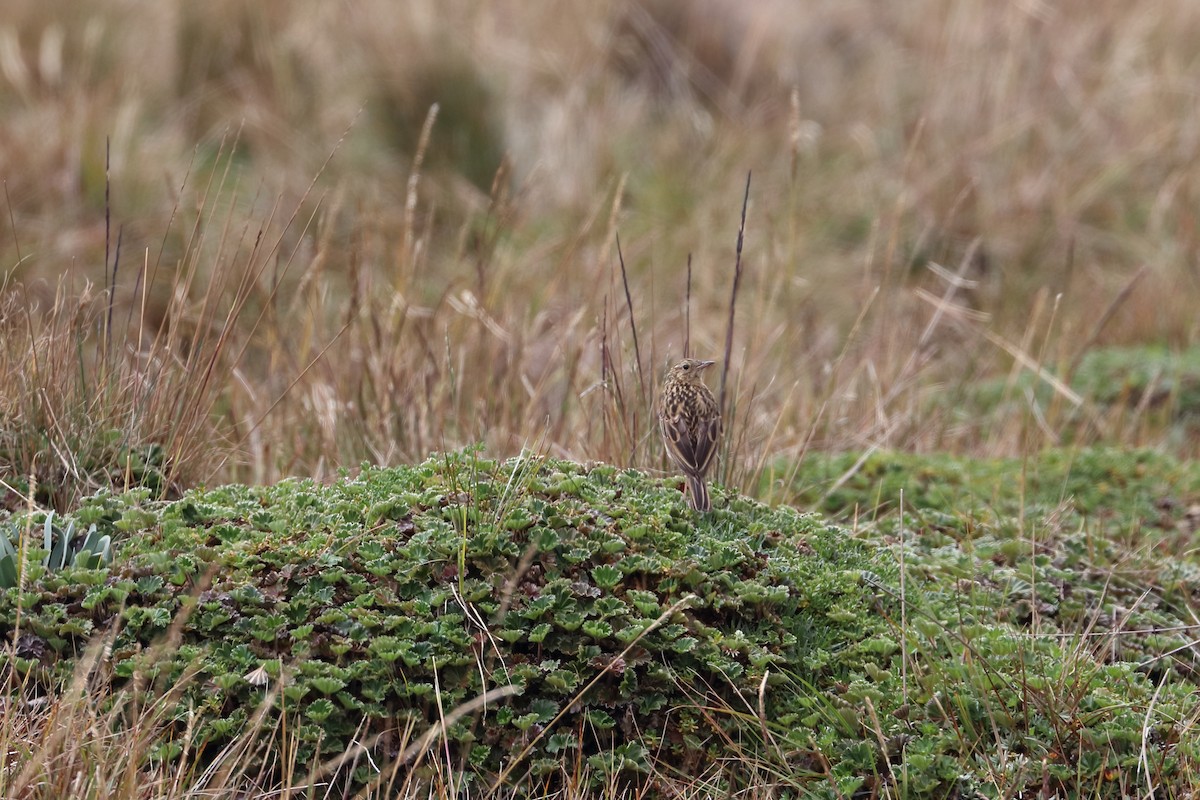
(690, 421)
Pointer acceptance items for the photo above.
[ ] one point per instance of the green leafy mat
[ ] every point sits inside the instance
(643, 641)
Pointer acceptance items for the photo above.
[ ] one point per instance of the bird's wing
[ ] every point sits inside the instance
(708, 431)
(693, 448)
(679, 441)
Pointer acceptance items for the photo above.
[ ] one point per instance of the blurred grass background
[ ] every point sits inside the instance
(364, 231)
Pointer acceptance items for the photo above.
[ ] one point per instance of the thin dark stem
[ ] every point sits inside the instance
(137, 285)
(604, 372)
(687, 313)
(737, 279)
(112, 292)
(637, 351)
(604, 344)
(107, 207)
(107, 233)
(609, 369)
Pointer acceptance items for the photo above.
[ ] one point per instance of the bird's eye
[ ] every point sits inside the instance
(687, 366)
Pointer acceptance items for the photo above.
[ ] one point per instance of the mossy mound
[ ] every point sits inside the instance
(1093, 541)
(797, 657)
(1123, 390)
(1060, 587)
(1118, 488)
(1150, 377)
(390, 599)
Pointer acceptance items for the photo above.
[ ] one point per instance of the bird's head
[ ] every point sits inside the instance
(689, 370)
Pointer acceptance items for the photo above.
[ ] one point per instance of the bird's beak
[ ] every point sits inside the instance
(705, 364)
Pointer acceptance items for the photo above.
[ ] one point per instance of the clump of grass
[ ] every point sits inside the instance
(466, 301)
(423, 301)
(82, 414)
(113, 390)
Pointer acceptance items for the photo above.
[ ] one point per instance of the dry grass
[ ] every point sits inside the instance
(423, 294)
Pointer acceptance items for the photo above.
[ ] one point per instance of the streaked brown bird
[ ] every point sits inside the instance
(690, 420)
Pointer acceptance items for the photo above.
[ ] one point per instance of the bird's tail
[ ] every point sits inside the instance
(698, 490)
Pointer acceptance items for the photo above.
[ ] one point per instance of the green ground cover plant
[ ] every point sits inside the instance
(634, 635)
(945, 653)
(1088, 552)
